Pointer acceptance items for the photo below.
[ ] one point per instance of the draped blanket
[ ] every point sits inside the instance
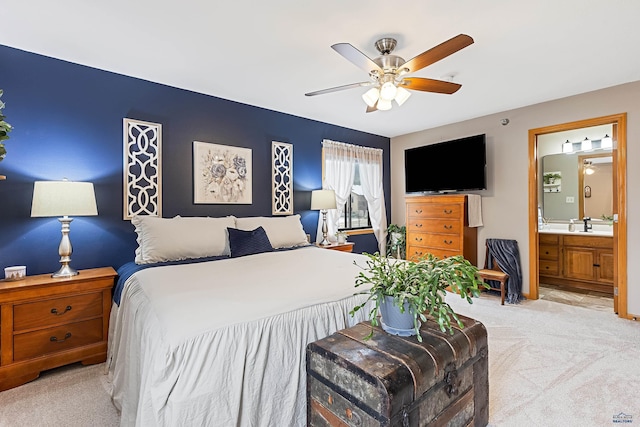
(506, 253)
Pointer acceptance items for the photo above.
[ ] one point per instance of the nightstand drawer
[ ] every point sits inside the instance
(52, 340)
(43, 314)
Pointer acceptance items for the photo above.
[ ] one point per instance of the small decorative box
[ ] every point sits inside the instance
(17, 272)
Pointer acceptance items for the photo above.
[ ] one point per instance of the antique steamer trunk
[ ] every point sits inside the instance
(397, 381)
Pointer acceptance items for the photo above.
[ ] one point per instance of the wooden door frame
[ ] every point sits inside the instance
(619, 122)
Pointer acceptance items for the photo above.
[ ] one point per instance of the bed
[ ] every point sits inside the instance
(217, 336)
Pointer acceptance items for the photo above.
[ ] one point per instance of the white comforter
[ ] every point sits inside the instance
(222, 343)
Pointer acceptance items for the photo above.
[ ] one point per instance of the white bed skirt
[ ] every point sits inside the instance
(179, 364)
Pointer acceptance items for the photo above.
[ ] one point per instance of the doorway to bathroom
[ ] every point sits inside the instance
(591, 260)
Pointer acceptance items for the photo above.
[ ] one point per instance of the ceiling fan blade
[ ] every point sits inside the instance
(356, 57)
(338, 88)
(429, 85)
(437, 53)
(371, 109)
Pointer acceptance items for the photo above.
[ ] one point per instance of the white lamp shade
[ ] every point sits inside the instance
(606, 142)
(567, 147)
(383, 105)
(402, 95)
(323, 199)
(371, 96)
(388, 91)
(63, 198)
(586, 144)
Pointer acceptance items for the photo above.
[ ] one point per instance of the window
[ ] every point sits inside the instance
(355, 214)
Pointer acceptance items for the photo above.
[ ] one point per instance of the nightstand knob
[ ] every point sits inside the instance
(55, 311)
(66, 337)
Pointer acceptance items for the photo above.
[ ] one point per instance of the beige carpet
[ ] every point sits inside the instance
(550, 364)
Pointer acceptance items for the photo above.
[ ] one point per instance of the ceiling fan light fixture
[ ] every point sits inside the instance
(388, 91)
(370, 97)
(402, 95)
(383, 104)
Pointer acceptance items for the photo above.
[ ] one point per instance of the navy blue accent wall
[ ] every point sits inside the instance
(67, 121)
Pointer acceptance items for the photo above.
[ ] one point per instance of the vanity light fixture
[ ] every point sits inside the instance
(606, 142)
(586, 145)
(567, 147)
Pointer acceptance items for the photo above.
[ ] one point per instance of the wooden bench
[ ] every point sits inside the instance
(495, 274)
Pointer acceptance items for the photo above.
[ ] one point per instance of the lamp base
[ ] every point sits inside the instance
(65, 271)
(324, 242)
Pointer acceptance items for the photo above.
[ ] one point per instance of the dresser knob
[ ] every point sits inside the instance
(55, 311)
(448, 227)
(418, 225)
(448, 242)
(418, 211)
(448, 211)
(418, 239)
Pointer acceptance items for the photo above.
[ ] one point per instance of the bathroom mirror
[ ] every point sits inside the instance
(576, 185)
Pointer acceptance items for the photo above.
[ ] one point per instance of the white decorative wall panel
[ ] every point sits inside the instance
(142, 168)
(282, 178)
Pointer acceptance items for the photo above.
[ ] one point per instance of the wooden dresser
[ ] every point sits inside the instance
(46, 323)
(439, 225)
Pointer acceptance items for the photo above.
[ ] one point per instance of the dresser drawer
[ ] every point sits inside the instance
(43, 314)
(549, 268)
(452, 226)
(548, 252)
(52, 340)
(434, 210)
(438, 241)
(416, 252)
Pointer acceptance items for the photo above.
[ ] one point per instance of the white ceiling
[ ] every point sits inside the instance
(270, 53)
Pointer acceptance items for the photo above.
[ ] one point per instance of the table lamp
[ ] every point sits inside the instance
(61, 199)
(322, 200)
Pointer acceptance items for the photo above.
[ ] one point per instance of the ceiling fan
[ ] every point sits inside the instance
(387, 72)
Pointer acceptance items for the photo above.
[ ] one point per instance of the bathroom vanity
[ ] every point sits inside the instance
(581, 260)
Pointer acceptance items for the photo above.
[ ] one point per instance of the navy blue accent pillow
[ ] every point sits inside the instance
(243, 242)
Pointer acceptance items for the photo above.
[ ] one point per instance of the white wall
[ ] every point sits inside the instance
(506, 201)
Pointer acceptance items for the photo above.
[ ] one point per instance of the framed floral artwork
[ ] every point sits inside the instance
(221, 174)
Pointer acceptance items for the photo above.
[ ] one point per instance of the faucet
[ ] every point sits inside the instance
(587, 226)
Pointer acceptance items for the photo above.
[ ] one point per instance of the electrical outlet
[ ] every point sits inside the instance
(570, 199)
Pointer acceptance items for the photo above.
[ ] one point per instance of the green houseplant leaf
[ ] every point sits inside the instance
(421, 283)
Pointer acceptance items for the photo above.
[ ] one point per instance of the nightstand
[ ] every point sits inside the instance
(344, 247)
(49, 322)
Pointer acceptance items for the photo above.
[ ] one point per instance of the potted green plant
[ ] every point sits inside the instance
(5, 128)
(396, 241)
(416, 289)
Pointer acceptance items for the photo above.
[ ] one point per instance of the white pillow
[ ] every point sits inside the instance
(173, 239)
(282, 231)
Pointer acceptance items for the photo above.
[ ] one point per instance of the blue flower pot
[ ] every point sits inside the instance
(395, 322)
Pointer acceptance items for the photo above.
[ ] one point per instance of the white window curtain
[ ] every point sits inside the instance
(339, 166)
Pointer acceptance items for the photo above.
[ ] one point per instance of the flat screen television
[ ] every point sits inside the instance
(450, 166)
